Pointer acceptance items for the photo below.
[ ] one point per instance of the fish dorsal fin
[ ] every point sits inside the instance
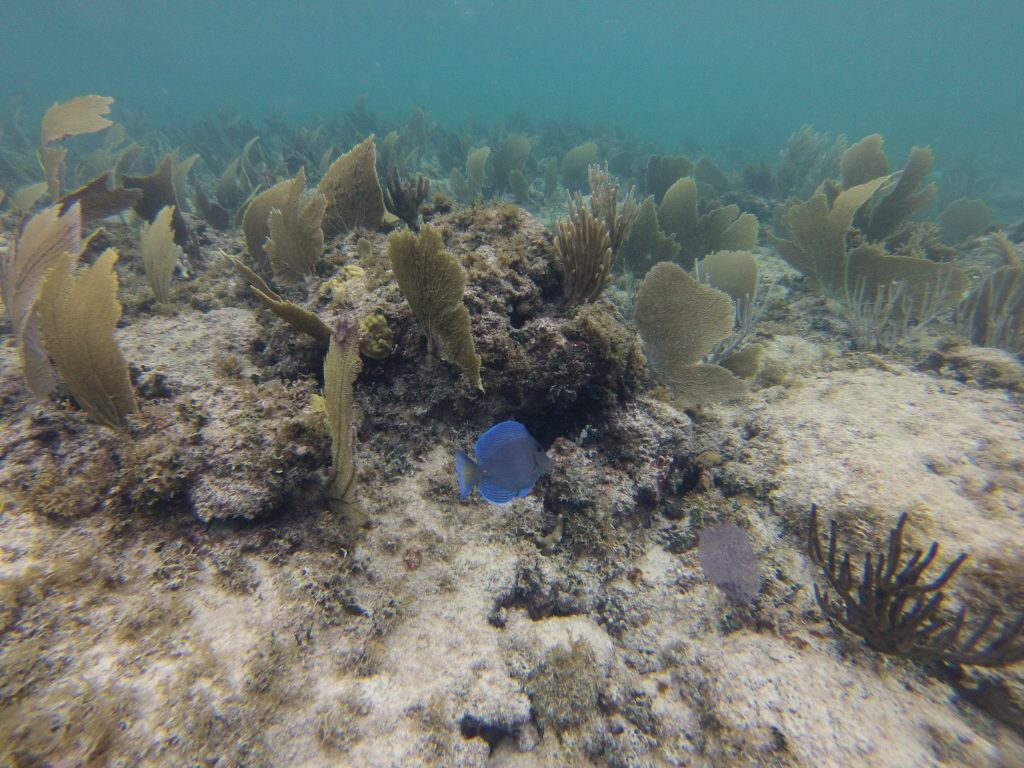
(494, 439)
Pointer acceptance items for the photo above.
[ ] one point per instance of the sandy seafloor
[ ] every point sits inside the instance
(429, 631)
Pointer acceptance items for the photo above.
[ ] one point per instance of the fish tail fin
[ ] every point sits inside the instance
(468, 473)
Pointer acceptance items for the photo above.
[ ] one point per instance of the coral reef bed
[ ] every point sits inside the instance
(183, 594)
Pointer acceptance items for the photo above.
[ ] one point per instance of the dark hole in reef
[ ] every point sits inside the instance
(473, 728)
(540, 598)
(682, 478)
(519, 317)
(547, 423)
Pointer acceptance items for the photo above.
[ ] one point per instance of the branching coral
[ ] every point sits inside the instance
(618, 217)
(588, 240)
(403, 199)
(585, 253)
(898, 613)
(992, 314)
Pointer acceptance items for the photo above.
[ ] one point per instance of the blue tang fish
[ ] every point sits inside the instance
(508, 462)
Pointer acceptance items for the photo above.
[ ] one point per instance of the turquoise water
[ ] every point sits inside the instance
(730, 78)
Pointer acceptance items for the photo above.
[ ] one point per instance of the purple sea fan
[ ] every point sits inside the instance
(728, 559)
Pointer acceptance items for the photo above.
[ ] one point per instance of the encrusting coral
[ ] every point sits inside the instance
(376, 338)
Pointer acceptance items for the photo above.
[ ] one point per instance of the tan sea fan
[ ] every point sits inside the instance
(341, 368)
(77, 317)
(681, 320)
(296, 238)
(47, 235)
(160, 254)
(354, 195)
(433, 281)
(82, 114)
